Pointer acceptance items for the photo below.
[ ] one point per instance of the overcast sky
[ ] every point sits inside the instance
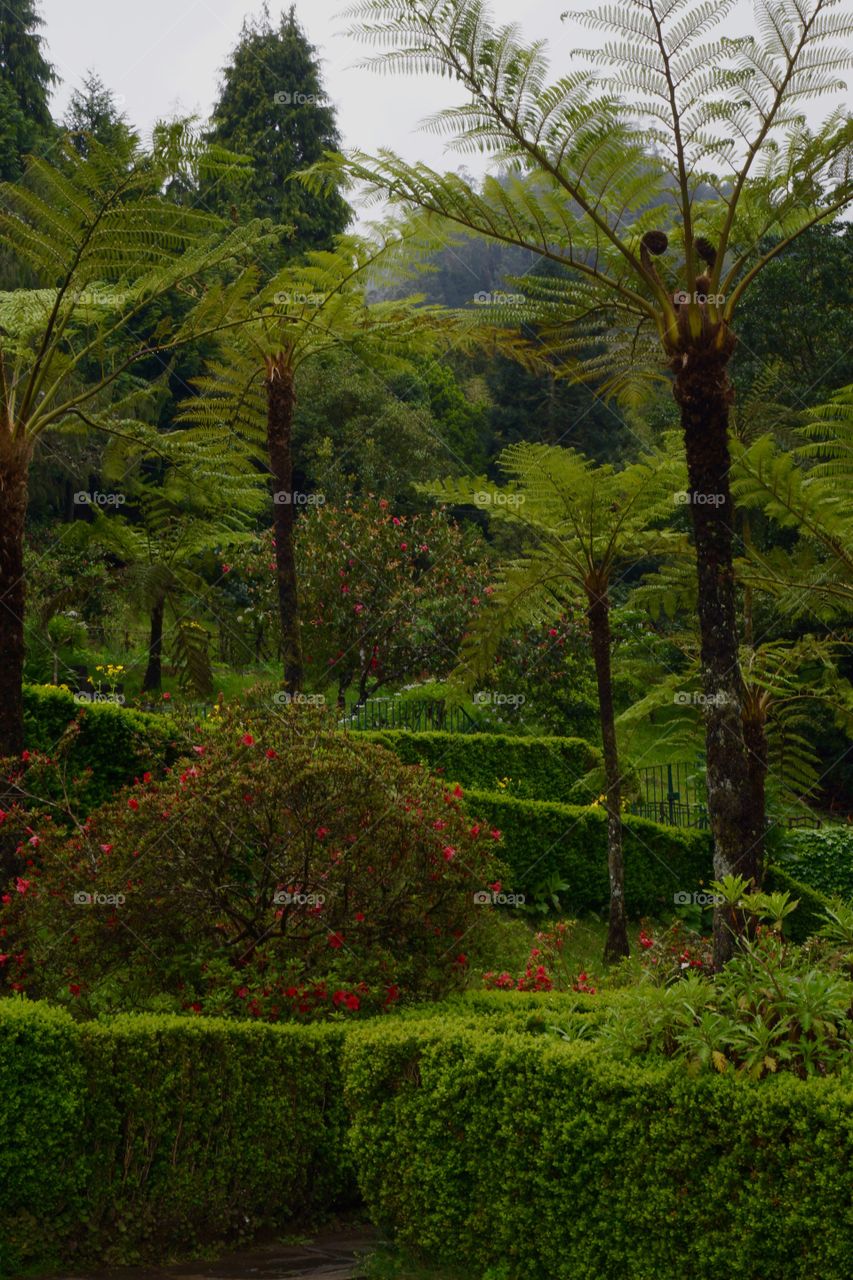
(161, 57)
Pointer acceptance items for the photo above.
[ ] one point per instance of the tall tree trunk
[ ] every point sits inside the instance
(755, 741)
(281, 402)
(14, 465)
(154, 671)
(598, 615)
(704, 393)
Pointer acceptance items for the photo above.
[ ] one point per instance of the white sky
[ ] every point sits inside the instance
(163, 56)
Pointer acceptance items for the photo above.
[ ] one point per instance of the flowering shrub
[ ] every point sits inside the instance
(283, 870)
(547, 968)
(673, 952)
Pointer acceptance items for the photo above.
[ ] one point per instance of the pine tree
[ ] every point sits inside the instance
(26, 78)
(273, 109)
(93, 113)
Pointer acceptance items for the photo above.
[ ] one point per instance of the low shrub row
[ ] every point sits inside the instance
(545, 843)
(822, 858)
(475, 1136)
(101, 743)
(533, 768)
(528, 1158)
(125, 1139)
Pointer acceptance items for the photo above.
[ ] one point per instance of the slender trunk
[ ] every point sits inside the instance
(154, 671)
(281, 402)
(703, 392)
(755, 740)
(598, 614)
(14, 464)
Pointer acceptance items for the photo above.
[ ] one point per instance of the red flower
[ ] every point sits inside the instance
(167, 697)
(336, 941)
(106, 848)
(645, 940)
(360, 916)
(449, 853)
(25, 755)
(22, 885)
(74, 988)
(321, 833)
(242, 992)
(352, 1002)
(271, 755)
(133, 803)
(247, 740)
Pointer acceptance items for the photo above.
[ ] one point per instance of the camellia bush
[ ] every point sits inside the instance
(283, 870)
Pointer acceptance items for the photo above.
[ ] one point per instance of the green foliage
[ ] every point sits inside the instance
(93, 113)
(43, 1151)
(482, 1150)
(130, 1139)
(545, 839)
(770, 1010)
(823, 859)
(272, 107)
(531, 768)
(26, 81)
(286, 870)
(101, 743)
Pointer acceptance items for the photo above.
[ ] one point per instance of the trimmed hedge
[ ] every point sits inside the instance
(115, 742)
(542, 840)
(538, 768)
(140, 1135)
(533, 1159)
(822, 858)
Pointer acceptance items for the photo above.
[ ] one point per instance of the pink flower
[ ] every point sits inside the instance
(226, 568)
(22, 885)
(449, 853)
(106, 848)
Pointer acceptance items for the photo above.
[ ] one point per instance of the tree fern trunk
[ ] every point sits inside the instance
(281, 402)
(13, 510)
(703, 392)
(154, 671)
(598, 614)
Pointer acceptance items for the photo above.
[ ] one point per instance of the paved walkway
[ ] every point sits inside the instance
(331, 1257)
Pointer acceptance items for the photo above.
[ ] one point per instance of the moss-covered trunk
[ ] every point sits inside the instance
(703, 392)
(154, 671)
(598, 615)
(281, 404)
(14, 465)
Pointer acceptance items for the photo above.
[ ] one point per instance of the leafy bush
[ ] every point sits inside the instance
(771, 1009)
(823, 859)
(535, 1159)
(286, 870)
(104, 745)
(127, 1139)
(546, 841)
(535, 768)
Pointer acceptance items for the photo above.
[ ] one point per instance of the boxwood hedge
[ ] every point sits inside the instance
(527, 1158)
(543, 841)
(537, 768)
(127, 1139)
(114, 742)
